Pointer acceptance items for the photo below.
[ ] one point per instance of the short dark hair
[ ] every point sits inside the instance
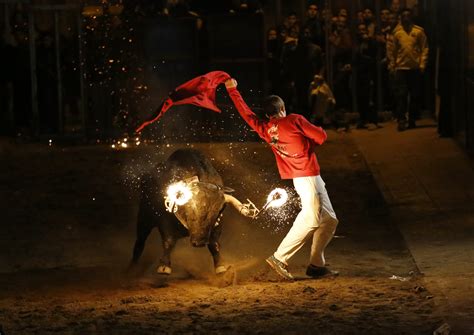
(406, 9)
(272, 105)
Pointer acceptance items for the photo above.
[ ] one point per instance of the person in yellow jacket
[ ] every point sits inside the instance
(407, 54)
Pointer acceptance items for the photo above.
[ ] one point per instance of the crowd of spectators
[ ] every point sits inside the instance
(371, 63)
(323, 65)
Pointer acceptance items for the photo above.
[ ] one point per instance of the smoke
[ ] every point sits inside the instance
(250, 170)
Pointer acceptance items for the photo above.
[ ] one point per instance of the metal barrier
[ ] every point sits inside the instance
(56, 11)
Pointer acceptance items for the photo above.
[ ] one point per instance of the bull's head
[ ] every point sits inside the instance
(205, 203)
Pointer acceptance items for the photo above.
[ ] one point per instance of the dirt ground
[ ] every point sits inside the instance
(67, 233)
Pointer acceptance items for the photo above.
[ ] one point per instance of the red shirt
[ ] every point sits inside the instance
(291, 138)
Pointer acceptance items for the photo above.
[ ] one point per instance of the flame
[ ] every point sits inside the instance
(179, 193)
(277, 198)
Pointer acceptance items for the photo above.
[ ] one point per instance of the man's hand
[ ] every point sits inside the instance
(231, 83)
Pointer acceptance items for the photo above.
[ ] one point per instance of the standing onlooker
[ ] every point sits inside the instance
(341, 52)
(314, 25)
(369, 22)
(291, 22)
(322, 103)
(408, 54)
(388, 21)
(359, 17)
(286, 86)
(274, 45)
(364, 67)
(395, 7)
(306, 62)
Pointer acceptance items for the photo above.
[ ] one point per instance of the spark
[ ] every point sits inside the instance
(177, 194)
(276, 198)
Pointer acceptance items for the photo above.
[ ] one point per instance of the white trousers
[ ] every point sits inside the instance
(316, 219)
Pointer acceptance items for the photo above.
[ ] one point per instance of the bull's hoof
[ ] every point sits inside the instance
(221, 269)
(163, 270)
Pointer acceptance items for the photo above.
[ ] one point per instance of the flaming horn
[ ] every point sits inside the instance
(276, 198)
(180, 193)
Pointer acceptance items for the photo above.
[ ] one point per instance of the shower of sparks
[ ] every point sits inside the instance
(276, 198)
(125, 143)
(177, 194)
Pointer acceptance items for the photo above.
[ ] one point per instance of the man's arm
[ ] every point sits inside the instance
(424, 50)
(252, 120)
(309, 130)
(391, 52)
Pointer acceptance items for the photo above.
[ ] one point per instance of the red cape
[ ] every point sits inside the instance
(200, 91)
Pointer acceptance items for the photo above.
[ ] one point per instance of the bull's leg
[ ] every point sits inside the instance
(214, 248)
(165, 262)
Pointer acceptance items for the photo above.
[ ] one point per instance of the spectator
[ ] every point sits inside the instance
(365, 70)
(384, 18)
(388, 23)
(395, 7)
(407, 52)
(359, 17)
(286, 86)
(291, 22)
(343, 12)
(341, 51)
(369, 22)
(274, 45)
(322, 102)
(314, 25)
(306, 61)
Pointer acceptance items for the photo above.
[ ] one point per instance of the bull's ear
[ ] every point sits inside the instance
(228, 189)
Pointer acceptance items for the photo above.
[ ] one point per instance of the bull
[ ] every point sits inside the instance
(199, 218)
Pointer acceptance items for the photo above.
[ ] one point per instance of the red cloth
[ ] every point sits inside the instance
(292, 139)
(200, 91)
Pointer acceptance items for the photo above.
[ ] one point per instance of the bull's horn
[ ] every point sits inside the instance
(248, 209)
(233, 201)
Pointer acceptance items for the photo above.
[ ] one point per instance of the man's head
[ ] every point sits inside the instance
(392, 20)
(395, 6)
(384, 14)
(272, 34)
(368, 15)
(341, 23)
(291, 19)
(406, 17)
(312, 11)
(362, 31)
(274, 107)
(343, 12)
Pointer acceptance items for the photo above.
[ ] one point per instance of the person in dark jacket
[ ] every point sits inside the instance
(364, 66)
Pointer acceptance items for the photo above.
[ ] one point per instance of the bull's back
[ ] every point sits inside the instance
(187, 163)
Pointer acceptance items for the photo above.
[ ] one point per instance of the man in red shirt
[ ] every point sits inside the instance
(292, 139)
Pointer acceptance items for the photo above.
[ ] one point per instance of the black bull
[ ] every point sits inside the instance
(199, 218)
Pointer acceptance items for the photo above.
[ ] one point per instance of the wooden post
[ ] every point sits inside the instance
(59, 82)
(33, 74)
(378, 82)
(327, 25)
(83, 103)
